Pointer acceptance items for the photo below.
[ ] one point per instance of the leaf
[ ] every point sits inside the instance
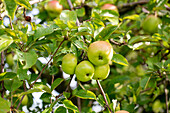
(106, 32)
(22, 73)
(132, 17)
(42, 87)
(68, 16)
(42, 31)
(56, 83)
(144, 81)
(5, 41)
(60, 109)
(12, 84)
(119, 59)
(10, 6)
(80, 44)
(30, 91)
(24, 3)
(100, 100)
(27, 59)
(4, 105)
(68, 104)
(85, 94)
(45, 97)
(7, 75)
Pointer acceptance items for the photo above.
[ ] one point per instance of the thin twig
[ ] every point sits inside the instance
(22, 96)
(72, 8)
(11, 24)
(127, 5)
(166, 94)
(47, 64)
(2, 70)
(42, 70)
(104, 96)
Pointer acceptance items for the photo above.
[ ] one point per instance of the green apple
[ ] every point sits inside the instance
(69, 63)
(150, 24)
(109, 7)
(53, 8)
(101, 72)
(100, 52)
(24, 101)
(84, 71)
(10, 60)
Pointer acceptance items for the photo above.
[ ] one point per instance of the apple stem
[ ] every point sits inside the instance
(104, 96)
(81, 85)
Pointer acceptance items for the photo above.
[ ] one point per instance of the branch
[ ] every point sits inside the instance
(117, 43)
(98, 83)
(47, 64)
(2, 70)
(22, 96)
(166, 94)
(168, 8)
(166, 54)
(128, 6)
(72, 8)
(132, 4)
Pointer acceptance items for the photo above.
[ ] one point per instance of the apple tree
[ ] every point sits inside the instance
(88, 56)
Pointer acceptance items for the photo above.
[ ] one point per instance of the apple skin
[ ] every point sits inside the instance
(101, 72)
(100, 52)
(84, 71)
(122, 111)
(53, 8)
(109, 7)
(9, 60)
(150, 24)
(24, 101)
(69, 63)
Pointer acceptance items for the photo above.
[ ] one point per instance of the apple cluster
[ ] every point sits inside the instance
(96, 67)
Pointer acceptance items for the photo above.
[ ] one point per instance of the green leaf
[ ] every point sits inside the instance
(7, 75)
(68, 16)
(42, 31)
(5, 41)
(119, 59)
(10, 6)
(68, 104)
(30, 91)
(24, 3)
(132, 17)
(85, 94)
(80, 44)
(106, 32)
(45, 97)
(56, 83)
(60, 109)
(42, 87)
(27, 59)
(100, 100)
(144, 81)
(22, 73)
(13, 84)
(66, 94)
(4, 105)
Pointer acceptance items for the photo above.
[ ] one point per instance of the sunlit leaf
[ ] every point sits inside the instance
(68, 104)
(118, 58)
(10, 6)
(5, 41)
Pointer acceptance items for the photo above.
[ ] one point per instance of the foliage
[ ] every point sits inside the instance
(139, 71)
